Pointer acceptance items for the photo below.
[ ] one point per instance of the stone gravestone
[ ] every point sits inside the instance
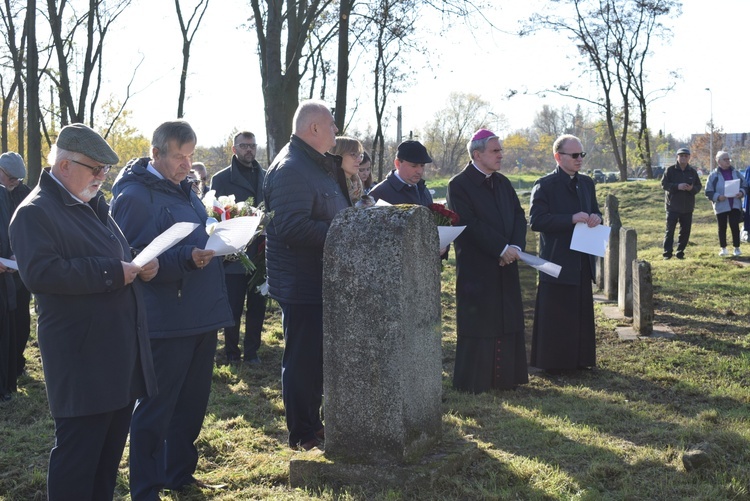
(628, 253)
(611, 257)
(382, 353)
(643, 298)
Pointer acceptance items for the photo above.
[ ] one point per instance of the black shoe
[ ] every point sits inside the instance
(667, 257)
(253, 361)
(680, 256)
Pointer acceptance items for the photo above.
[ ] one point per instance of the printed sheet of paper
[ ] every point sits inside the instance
(9, 263)
(540, 264)
(590, 240)
(166, 240)
(230, 236)
(731, 188)
(382, 203)
(448, 234)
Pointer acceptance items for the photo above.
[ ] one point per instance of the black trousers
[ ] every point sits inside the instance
(686, 222)
(20, 323)
(732, 217)
(302, 370)
(254, 305)
(83, 464)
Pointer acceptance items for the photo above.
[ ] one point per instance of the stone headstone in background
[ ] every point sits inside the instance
(628, 253)
(611, 262)
(382, 353)
(643, 298)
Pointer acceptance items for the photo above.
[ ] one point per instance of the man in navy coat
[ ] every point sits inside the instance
(404, 184)
(243, 179)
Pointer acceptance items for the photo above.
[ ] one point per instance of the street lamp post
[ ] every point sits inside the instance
(711, 126)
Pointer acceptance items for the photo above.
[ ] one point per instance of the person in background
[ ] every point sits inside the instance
(365, 172)
(680, 183)
(351, 153)
(243, 178)
(405, 183)
(8, 371)
(12, 173)
(201, 178)
(305, 189)
(727, 210)
(746, 206)
(491, 349)
(564, 335)
(187, 304)
(92, 329)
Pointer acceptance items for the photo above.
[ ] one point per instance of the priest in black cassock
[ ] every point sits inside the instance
(490, 352)
(564, 333)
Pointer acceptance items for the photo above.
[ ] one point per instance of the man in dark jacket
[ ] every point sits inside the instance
(305, 190)
(243, 179)
(12, 172)
(680, 183)
(404, 184)
(187, 304)
(92, 321)
(491, 349)
(564, 335)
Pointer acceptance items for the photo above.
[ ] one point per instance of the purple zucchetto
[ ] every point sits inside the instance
(483, 134)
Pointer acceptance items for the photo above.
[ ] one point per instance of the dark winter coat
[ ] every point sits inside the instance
(394, 191)
(680, 201)
(92, 327)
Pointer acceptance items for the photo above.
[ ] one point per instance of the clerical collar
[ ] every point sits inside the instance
(487, 176)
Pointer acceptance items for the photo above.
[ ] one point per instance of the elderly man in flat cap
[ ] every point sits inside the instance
(8, 338)
(491, 350)
(92, 321)
(680, 183)
(12, 172)
(404, 184)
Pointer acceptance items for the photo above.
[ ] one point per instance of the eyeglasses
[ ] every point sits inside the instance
(11, 179)
(574, 155)
(357, 156)
(246, 146)
(94, 170)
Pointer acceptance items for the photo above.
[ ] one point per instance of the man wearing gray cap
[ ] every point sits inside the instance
(680, 183)
(92, 321)
(12, 172)
(8, 372)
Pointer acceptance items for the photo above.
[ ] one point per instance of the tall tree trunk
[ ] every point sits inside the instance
(342, 78)
(34, 158)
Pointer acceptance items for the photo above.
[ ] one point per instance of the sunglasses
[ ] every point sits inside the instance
(574, 155)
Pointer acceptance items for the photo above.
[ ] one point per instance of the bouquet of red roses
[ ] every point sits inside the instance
(443, 216)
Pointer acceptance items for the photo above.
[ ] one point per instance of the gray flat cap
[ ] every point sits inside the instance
(12, 163)
(82, 139)
(683, 151)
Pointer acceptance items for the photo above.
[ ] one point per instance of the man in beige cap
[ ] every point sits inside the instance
(12, 172)
(92, 321)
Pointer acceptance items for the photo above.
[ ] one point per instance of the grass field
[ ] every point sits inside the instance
(616, 433)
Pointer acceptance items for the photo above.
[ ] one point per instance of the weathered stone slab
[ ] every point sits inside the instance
(611, 260)
(643, 298)
(382, 350)
(628, 253)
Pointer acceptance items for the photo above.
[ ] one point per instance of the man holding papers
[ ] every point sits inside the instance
(187, 304)
(725, 188)
(92, 318)
(491, 350)
(564, 335)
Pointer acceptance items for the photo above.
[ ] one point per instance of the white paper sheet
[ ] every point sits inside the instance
(165, 241)
(9, 263)
(448, 234)
(229, 236)
(382, 203)
(590, 240)
(731, 188)
(540, 264)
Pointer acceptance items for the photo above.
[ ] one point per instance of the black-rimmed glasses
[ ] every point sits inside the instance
(574, 155)
(94, 170)
(246, 146)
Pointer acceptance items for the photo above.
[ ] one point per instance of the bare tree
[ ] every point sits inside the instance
(187, 40)
(10, 12)
(34, 157)
(96, 21)
(614, 36)
(281, 77)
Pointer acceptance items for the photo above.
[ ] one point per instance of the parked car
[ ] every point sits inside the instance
(612, 177)
(598, 176)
